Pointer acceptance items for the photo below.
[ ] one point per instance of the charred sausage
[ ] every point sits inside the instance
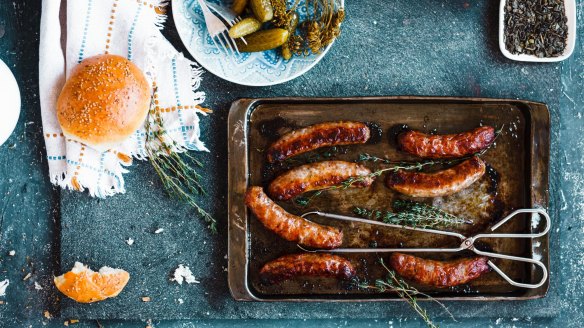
(439, 273)
(441, 183)
(316, 176)
(289, 226)
(447, 145)
(317, 136)
(306, 264)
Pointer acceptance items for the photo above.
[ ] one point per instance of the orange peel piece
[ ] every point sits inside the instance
(87, 286)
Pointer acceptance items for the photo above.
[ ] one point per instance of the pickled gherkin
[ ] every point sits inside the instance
(244, 27)
(262, 10)
(263, 40)
(239, 6)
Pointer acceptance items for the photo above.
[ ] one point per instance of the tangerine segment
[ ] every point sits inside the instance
(87, 286)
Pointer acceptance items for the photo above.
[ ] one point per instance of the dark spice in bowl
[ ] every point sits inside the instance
(536, 27)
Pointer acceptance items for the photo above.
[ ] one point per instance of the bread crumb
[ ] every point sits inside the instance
(12, 253)
(37, 286)
(73, 321)
(1, 302)
(159, 230)
(66, 323)
(130, 241)
(145, 299)
(3, 285)
(183, 273)
(47, 315)
(180, 301)
(28, 275)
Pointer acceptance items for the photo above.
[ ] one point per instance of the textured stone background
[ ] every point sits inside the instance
(387, 48)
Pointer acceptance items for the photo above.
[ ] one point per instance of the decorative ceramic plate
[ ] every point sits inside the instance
(254, 69)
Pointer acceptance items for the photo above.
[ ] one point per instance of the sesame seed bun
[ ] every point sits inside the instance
(104, 101)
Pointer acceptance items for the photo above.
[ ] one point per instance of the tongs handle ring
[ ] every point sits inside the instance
(515, 258)
(519, 284)
(539, 211)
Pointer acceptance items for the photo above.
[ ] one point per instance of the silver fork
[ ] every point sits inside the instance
(227, 14)
(217, 29)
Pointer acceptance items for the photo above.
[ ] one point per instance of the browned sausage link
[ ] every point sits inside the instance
(317, 136)
(317, 176)
(448, 145)
(289, 226)
(441, 183)
(439, 273)
(307, 264)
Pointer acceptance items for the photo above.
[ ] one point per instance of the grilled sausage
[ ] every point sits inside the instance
(289, 226)
(306, 264)
(441, 183)
(317, 176)
(439, 273)
(448, 145)
(317, 136)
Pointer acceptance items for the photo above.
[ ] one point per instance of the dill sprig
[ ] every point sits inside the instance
(179, 177)
(316, 32)
(412, 214)
(393, 283)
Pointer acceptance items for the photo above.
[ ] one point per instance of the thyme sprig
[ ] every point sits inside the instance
(365, 157)
(412, 214)
(304, 201)
(177, 172)
(410, 294)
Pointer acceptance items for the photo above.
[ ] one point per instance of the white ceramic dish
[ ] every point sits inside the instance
(10, 95)
(253, 69)
(570, 7)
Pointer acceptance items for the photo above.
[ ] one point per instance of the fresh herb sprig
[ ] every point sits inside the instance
(364, 157)
(177, 172)
(412, 214)
(410, 294)
(316, 32)
(304, 201)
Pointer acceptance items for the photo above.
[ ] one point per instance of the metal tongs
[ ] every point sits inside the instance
(467, 243)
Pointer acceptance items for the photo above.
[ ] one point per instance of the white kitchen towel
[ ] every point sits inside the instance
(127, 28)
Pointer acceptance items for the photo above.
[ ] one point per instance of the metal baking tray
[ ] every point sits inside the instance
(518, 179)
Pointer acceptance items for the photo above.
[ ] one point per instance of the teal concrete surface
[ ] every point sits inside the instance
(425, 47)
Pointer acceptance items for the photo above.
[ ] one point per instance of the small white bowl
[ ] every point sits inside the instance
(570, 8)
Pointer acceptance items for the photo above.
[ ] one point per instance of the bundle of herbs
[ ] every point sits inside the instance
(177, 172)
(536, 27)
